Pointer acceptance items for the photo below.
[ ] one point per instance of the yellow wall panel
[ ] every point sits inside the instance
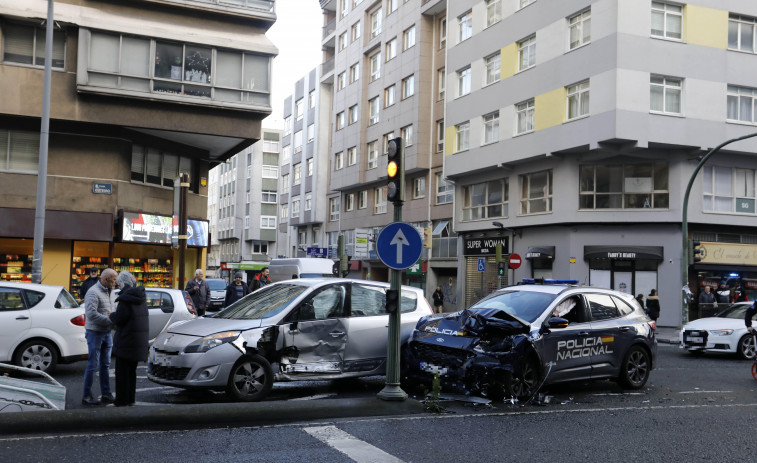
(707, 27)
(450, 140)
(549, 109)
(508, 61)
(56, 263)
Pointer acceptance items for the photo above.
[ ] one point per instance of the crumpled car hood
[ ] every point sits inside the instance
(472, 323)
(208, 326)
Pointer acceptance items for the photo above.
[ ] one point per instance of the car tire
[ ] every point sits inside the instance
(251, 379)
(37, 355)
(746, 347)
(522, 384)
(634, 371)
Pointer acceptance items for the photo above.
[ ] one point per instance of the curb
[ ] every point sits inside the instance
(201, 415)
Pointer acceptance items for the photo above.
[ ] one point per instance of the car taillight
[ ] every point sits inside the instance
(190, 305)
(79, 321)
(652, 324)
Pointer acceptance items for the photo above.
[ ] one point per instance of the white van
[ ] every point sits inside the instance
(309, 267)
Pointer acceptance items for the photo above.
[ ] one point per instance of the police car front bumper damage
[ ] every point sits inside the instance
(470, 350)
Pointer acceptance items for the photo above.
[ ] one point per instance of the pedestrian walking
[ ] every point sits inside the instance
(131, 341)
(653, 305)
(236, 290)
(438, 297)
(640, 300)
(98, 305)
(89, 282)
(199, 291)
(261, 279)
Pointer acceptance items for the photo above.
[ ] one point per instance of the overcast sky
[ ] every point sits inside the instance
(297, 34)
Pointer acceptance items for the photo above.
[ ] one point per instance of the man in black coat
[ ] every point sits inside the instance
(131, 342)
(236, 290)
(89, 282)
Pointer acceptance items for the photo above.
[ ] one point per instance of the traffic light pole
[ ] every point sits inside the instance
(685, 225)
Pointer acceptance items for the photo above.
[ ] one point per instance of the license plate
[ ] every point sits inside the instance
(698, 340)
(433, 369)
(161, 360)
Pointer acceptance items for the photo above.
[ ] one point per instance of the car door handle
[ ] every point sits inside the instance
(583, 333)
(336, 334)
(22, 317)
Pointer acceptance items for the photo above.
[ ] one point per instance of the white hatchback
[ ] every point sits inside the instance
(725, 332)
(40, 326)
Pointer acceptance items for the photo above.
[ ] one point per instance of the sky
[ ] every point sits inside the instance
(297, 35)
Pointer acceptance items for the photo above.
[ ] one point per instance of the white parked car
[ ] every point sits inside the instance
(725, 332)
(40, 326)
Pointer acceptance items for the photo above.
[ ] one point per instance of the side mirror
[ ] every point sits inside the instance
(556, 322)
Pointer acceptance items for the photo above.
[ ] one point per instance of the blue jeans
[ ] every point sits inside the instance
(99, 343)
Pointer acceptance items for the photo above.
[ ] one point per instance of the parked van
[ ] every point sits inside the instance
(309, 267)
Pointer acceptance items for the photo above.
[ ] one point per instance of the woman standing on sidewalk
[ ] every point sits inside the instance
(653, 305)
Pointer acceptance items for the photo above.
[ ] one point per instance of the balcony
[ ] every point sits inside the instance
(327, 67)
(261, 8)
(329, 28)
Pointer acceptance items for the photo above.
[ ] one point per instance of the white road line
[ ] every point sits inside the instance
(702, 392)
(317, 396)
(358, 450)
(153, 388)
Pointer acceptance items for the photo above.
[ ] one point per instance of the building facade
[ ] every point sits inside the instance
(589, 119)
(141, 92)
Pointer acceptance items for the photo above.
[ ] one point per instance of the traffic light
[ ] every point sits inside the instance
(395, 168)
(697, 253)
(501, 269)
(392, 300)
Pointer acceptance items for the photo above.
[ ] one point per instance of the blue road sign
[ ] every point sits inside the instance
(317, 252)
(481, 264)
(399, 245)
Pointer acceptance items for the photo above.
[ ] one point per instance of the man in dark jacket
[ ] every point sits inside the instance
(199, 291)
(438, 298)
(236, 290)
(653, 305)
(261, 280)
(89, 282)
(131, 341)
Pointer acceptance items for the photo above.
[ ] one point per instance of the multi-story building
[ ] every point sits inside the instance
(589, 119)
(385, 63)
(247, 206)
(141, 92)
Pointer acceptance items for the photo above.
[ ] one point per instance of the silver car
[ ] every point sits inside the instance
(308, 329)
(166, 306)
(217, 293)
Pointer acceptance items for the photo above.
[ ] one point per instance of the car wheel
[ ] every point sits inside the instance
(251, 379)
(746, 348)
(37, 355)
(522, 385)
(635, 368)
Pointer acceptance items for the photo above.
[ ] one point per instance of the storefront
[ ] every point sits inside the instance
(628, 269)
(735, 265)
(480, 266)
(541, 259)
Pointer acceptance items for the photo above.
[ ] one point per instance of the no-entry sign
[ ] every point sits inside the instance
(514, 261)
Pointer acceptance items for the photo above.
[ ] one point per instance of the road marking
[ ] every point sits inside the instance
(317, 396)
(349, 445)
(153, 388)
(703, 392)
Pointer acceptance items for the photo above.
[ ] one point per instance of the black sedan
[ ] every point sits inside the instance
(520, 338)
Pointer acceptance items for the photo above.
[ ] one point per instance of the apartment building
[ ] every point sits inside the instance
(141, 92)
(589, 119)
(385, 62)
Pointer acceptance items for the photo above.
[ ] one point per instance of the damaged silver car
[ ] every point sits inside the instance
(307, 329)
(519, 338)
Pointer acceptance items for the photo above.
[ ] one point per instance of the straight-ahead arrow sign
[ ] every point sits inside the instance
(399, 240)
(407, 244)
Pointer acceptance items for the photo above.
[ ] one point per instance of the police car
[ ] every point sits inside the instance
(519, 338)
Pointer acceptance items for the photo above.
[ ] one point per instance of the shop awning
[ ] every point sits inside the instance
(540, 252)
(623, 252)
(439, 228)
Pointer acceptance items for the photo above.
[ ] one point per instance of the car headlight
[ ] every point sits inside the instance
(209, 342)
(722, 332)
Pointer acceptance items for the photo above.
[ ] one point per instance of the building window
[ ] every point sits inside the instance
(311, 99)
(349, 202)
(667, 20)
(373, 110)
(333, 209)
(340, 120)
(442, 33)
(268, 196)
(339, 160)
(285, 184)
(355, 34)
(148, 165)
(343, 8)
(526, 53)
(341, 80)
(665, 94)
(419, 187)
(391, 49)
(25, 44)
(485, 200)
(408, 38)
(742, 33)
(376, 23)
(389, 96)
(295, 207)
(287, 124)
(493, 12)
(407, 135)
(268, 222)
(297, 174)
(260, 248)
(465, 26)
(580, 29)
(408, 86)
(362, 199)
(440, 136)
(311, 132)
(352, 156)
(463, 81)
(525, 117)
(308, 201)
(373, 154)
(441, 78)
(298, 141)
(385, 140)
(354, 72)
(299, 109)
(392, 5)
(578, 100)
(379, 200)
(728, 189)
(629, 186)
(524, 3)
(270, 146)
(309, 167)
(536, 192)
(445, 191)
(20, 152)
(491, 127)
(492, 68)
(375, 64)
(352, 114)
(462, 136)
(284, 212)
(741, 104)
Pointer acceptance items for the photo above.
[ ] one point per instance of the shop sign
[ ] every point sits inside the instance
(244, 266)
(102, 188)
(159, 229)
(727, 253)
(483, 246)
(415, 269)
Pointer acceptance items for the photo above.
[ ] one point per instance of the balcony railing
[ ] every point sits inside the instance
(327, 66)
(329, 28)
(259, 5)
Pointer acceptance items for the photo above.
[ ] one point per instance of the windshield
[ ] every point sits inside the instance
(263, 303)
(526, 305)
(316, 275)
(216, 284)
(736, 311)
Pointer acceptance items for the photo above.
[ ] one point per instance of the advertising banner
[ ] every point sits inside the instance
(158, 229)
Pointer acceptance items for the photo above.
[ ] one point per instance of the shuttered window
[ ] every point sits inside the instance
(19, 150)
(25, 44)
